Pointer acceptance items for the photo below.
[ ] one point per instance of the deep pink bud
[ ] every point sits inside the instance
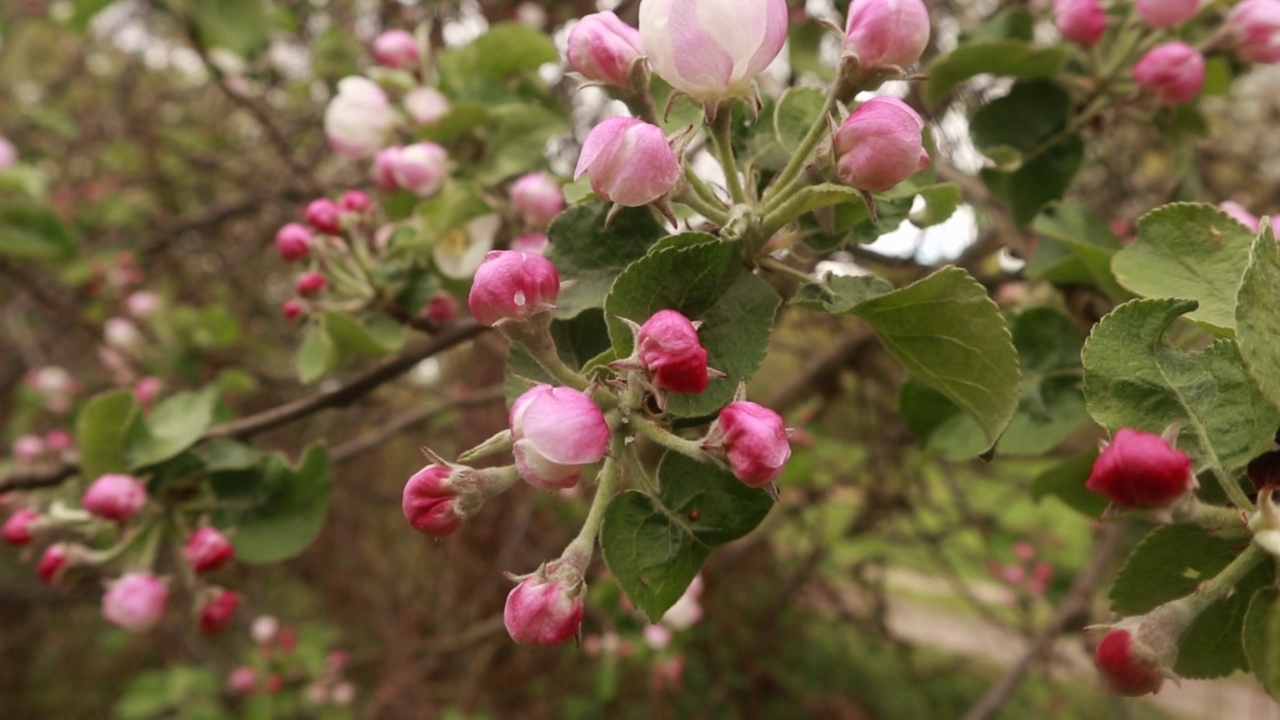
(115, 497)
(1254, 29)
(511, 286)
(668, 347)
(428, 501)
(426, 105)
(1080, 21)
(712, 49)
(293, 241)
(207, 549)
(534, 242)
(309, 283)
(8, 154)
(217, 611)
(442, 308)
(1173, 72)
(28, 449)
(324, 215)
(421, 168)
(59, 441)
(629, 162)
(1164, 13)
(753, 439)
(397, 49)
(1127, 671)
(243, 680)
(17, 529)
(880, 144)
(556, 431)
(135, 602)
(355, 201)
(52, 562)
(537, 198)
(604, 49)
(146, 390)
(887, 32)
(273, 684)
(544, 610)
(291, 309)
(1139, 470)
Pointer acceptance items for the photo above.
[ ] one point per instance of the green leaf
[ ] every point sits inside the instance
(1258, 315)
(1261, 638)
(578, 341)
(1135, 378)
(1037, 181)
(1015, 58)
(317, 356)
(34, 232)
(839, 294)
(795, 112)
(1212, 647)
(655, 546)
(457, 203)
(1031, 113)
(101, 428)
(1014, 24)
(1188, 251)
(585, 251)
(518, 137)
(507, 49)
(704, 282)
(805, 49)
(945, 428)
(289, 508)
(824, 195)
(1075, 247)
(1066, 481)
(464, 117)
(241, 26)
(84, 11)
(174, 425)
(940, 203)
(223, 455)
(375, 335)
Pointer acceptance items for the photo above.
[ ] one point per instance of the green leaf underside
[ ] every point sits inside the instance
(592, 256)
(1258, 316)
(839, 294)
(317, 355)
(655, 546)
(1262, 639)
(999, 57)
(174, 425)
(287, 506)
(101, 428)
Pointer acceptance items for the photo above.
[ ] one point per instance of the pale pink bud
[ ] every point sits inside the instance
(512, 286)
(135, 602)
(687, 611)
(1080, 21)
(264, 629)
(207, 549)
(603, 48)
(1024, 550)
(753, 439)
(121, 334)
(59, 441)
(243, 680)
(355, 201)
(344, 693)
(880, 144)
(397, 49)
(1254, 29)
(1240, 214)
(427, 501)
(217, 611)
(18, 529)
(53, 380)
(1173, 72)
(115, 497)
(537, 198)
(534, 242)
(147, 389)
(293, 241)
(668, 347)
(883, 33)
(142, 304)
(358, 118)
(657, 637)
(52, 562)
(426, 105)
(556, 432)
(543, 609)
(324, 215)
(1164, 13)
(28, 449)
(384, 164)
(421, 168)
(291, 309)
(712, 49)
(1140, 470)
(309, 283)
(8, 154)
(629, 162)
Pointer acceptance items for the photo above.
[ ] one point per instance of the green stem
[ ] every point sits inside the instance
(663, 437)
(721, 130)
(583, 546)
(1223, 522)
(1232, 488)
(536, 338)
(1226, 581)
(787, 207)
(702, 190)
(499, 480)
(781, 185)
(786, 270)
(711, 212)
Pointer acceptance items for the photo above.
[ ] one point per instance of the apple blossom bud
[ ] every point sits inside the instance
(135, 602)
(657, 637)
(879, 145)
(53, 380)
(358, 118)
(28, 449)
(428, 504)
(426, 105)
(217, 611)
(884, 33)
(667, 346)
(59, 441)
(142, 304)
(288, 639)
(1165, 13)
(687, 611)
(115, 497)
(546, 607)
(603, 48)
(397, 49)
(1140, 470)
(628, 161)
(309, 283)
(1173, 72)
(537, 198)
(421, 168)
(291, 309)
(512, 286)
(264, 629)
(52, 562)
(324, 215)
(1138, 652)
(344, 693)
(293, 241)
(18, 529)
(383, 168)
(8, 154)
(121, 334)
(712, 49)
(273, 684)
(207, 549)
(1253, 27)
(146, 390)
(1080, 21)
(355, 201)
(535, 243)
(242, 680)
(556, 432)
(753, 439)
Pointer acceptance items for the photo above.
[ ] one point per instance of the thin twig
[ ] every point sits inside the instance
(375, 438)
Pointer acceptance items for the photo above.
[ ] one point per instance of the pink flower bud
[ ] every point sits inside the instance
(657, 637)
(1140, 470)
(1024, 550)
(384, 168)
(293, 241)
(207, 549)
(1240, 214)
(428, 502)
(687, 611)
(8, 154)
(59, 441)
(426, 105)
(668, 347)
(28, 449)
(142, 304)
(324, 215)
(264, 629)
(712, 49)
(121, 334)
(146, 390)
(292, 310)
(879, 145)
(603, 48)
(629, 162)
(355, 201)
(556, 431)
(511, 286)
(397, 49)
(135, 602)
(1253, 27)
(442, 308)
(535, 243)
(358, 118)
(243, 680)
(1128, 670)
(52, 562)
(421, 168)
(1165, 13)
(217, 611)
(18, 529)
(883, 33)
(309, 283)
(1173, 72)
(753, 439)
(546, 607)
(1080, 21)
(537, 198)
(273, 684)
(115, 497)
(53, 380)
